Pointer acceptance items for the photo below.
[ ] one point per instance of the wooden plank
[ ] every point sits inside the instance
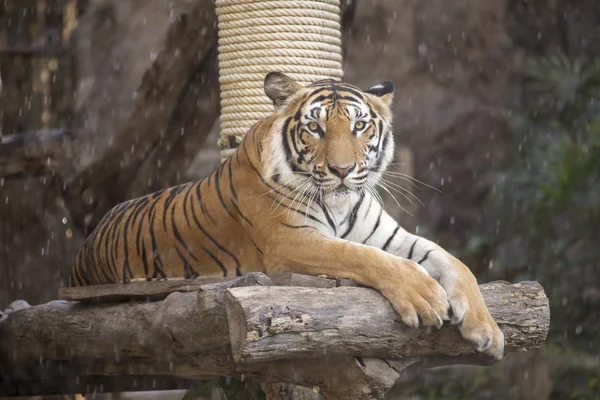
(158, 290)
(276, 323)
(291, 279)
(146, 290)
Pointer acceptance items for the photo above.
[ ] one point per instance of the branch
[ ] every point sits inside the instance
(279, 323)
(187, 336)
(178, 94)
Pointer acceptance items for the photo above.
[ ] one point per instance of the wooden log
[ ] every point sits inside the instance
(184, 323)
(278, 323)
(187, 336)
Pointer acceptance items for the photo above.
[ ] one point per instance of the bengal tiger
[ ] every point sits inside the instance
(296, 196)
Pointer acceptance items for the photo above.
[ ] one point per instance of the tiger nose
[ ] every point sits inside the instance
(341, 171)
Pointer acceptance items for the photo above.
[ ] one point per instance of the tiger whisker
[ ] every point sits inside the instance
(291, 205)
(285, 195)
(393, 197)
(397, 191)
(301, 192)
(410, 179)
(271, 191)
(372, 183)
(404, 190)
(312, 196)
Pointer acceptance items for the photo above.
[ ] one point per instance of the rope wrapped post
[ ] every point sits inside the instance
(300, 38)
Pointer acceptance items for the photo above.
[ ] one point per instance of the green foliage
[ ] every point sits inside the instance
(550, 198)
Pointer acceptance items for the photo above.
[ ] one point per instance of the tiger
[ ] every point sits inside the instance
(297, 195)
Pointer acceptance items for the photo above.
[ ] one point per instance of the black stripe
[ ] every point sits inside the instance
(202, 205)
(77, 272)
(96, 244)
(305, 214)
(371, 112)
(215, 259)
(297, 226)
(213, 240)
(320, 99)
(157, 193)
(156, 260)
(178, 235)
(353, 215)
(171, 196)
(410, 252)
(352, 91)
(294, 138)
(137, 205)
(257, 249)
(185, 200)
(240, 213)
(376, 224)
(143, 218)
(188, 271)
(231, 188)
(387, 243)
(137, 213)
(105, 240)
(234, 194)
(218, 189)
(329, 218)
(298, 113)
(321, 89)
(348, 99)
(256, 170)
(369, 207)
(381, 153)
(422, 260)
(284, 137)
(115, 247)
(145, 260)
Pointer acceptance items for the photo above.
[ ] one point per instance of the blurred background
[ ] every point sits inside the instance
(497, 106)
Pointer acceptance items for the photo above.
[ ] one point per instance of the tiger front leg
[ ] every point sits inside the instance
(417, 298)
(467, 306)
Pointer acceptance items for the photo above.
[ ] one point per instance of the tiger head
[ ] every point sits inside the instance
(330, 140)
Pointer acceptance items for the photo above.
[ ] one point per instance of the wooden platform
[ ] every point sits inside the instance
(160, 289)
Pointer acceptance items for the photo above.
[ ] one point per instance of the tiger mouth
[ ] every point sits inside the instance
(342, 189)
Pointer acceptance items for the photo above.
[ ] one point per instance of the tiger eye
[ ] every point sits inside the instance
(313, 126)
(359, 125)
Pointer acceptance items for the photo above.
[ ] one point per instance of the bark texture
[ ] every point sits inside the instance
(284, 323)
(332, 336)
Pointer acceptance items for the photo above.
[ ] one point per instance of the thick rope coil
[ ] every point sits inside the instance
(300, 38)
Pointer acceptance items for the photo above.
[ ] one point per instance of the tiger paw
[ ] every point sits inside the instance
(418, 299)
(475, 323)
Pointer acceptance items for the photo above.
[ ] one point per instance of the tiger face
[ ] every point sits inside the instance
(331, 140)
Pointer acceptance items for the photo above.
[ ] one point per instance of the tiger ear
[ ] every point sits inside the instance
(385, 91)
(280, 87)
